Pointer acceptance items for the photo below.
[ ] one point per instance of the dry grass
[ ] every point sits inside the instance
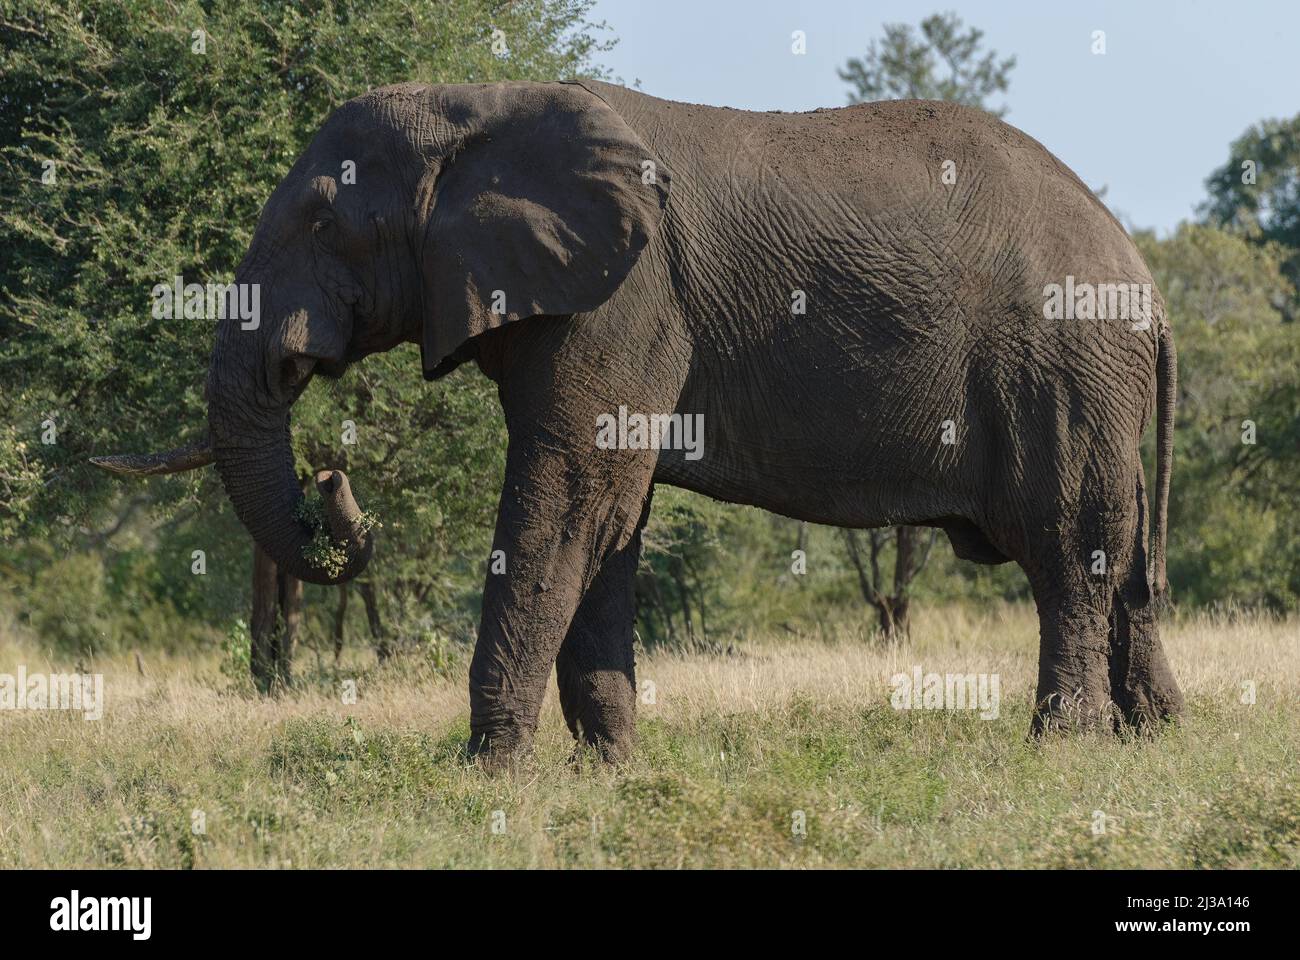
(736, 744)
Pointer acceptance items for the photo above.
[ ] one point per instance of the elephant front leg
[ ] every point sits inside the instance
(564, 516)
(596, 668)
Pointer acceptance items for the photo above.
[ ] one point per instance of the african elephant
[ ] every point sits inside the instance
(855, 301)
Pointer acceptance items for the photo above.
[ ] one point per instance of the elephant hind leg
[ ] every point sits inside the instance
(1142, 683)
(1073, 691)
(595, 669)
(1100, 659)
(1074, 561)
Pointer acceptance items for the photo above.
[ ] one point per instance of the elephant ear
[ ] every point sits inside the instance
(543, 209)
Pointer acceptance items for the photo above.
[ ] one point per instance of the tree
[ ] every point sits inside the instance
(138, 141)
(893, 606)
(907, 67)
(1234, 533)
(683, 544)
(432, 458)
(1256, 193)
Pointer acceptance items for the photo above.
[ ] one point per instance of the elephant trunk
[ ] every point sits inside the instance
(329, 545)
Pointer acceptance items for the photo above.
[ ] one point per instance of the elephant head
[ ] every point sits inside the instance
(426, 214)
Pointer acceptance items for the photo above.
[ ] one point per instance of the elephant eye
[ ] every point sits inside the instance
(294, 371)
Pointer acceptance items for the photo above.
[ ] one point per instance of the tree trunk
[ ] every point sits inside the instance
(340, 612)
(290, 593)
(266, 603)
(684, 596)
(377, 634)
(892, 608)
(277, 612)
(893, 613)
(905, 569)
(650, 599)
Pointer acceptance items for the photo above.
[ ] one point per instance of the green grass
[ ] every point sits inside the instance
(733, 749)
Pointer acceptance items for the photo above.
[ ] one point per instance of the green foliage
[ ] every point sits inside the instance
(429, 459)
(683, 567)
(83, 628)
(20, 482)
(1256, 193)
(734, 569)
(161, 158)
(440, 655)
(91, 602)
(237, 653)
(1234, 532)
(324, 552)
(906, 67)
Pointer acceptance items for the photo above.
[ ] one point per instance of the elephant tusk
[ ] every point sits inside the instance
(189, 457)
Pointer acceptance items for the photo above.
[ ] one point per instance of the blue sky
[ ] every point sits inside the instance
(1148, 120)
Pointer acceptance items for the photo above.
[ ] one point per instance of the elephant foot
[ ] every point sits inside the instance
(600, 711)
(1104, 671)
(611, 749)
(1147, 704)
(1142, 684)
(499, 751)
(1066, 713)
(1142, 701)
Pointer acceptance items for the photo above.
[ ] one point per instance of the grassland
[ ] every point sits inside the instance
(737, 742)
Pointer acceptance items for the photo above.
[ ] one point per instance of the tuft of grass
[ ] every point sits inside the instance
(778, 752)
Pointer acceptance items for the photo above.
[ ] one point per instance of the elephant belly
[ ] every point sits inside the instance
(856, 447)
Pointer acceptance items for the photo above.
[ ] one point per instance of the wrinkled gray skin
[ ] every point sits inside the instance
(674, 293)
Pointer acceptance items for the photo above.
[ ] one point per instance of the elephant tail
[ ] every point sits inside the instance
(1166, 397)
